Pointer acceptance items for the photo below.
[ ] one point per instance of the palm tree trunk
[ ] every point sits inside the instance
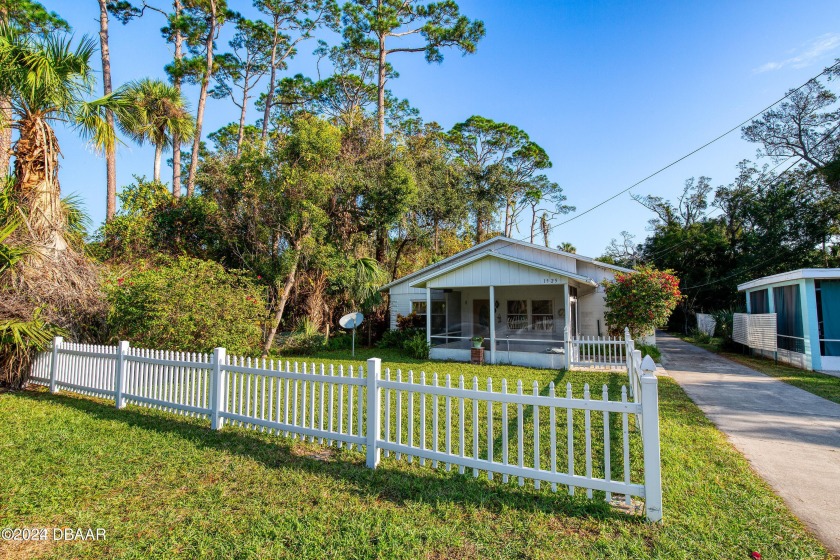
(158, 152)
(36, 185)
(202, 98)
(5, 135)
(110, 156)
(176, 138)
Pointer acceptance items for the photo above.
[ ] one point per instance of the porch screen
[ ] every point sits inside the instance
(789, 318)
(829, 317)
(759, 302)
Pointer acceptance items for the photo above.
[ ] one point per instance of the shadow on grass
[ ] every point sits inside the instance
(393, 481)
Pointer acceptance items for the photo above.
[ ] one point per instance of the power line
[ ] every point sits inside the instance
(707, 144)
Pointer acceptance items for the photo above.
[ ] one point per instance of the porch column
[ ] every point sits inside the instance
(567, 329)
(429, 316)
(492, 324)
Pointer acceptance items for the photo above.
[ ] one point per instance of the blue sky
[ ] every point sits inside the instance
(612, 90)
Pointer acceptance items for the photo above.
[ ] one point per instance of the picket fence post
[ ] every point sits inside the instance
(650, 441)
(218, 389)
(119, 373)
(628, 351)
(57, 341)
(374, 372)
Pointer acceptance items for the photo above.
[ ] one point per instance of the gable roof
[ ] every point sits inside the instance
(493, 255)
(507, 241)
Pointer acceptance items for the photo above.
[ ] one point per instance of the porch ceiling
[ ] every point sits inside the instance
(494, 269)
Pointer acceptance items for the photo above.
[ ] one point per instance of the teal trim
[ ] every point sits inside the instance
(807, 312)
(812, 327)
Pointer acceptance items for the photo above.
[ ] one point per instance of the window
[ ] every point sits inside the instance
(542, 315)
(533, 315)
(759, 302)
(789, 328)
(438, 314)
(517, 314)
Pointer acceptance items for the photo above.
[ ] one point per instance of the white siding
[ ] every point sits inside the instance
(495, 272)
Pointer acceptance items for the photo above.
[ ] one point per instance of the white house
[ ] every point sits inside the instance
(526, 300)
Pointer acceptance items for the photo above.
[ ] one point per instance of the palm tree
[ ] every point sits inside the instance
(47, 82)
(157, 112)
(568, 247)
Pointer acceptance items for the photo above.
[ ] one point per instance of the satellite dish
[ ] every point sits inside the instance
(351, 321)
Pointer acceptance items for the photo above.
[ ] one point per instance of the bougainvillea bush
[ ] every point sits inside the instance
(642, 300)
(186, 304)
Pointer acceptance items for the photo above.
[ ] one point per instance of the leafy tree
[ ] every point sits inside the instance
(207, 17)
(292, 21)
(567, 247)
(499, 164)
(243, 67)
(156, 113)
(641, 301)
(186, 304)
(801, 126)
(370, 24)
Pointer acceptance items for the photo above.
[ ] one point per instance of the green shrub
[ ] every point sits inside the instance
(305, 338)
(650, 350)
(417, 347)
(396, 339)
(186, 304)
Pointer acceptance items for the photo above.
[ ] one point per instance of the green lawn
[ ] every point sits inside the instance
(168, 486)
(820, 384)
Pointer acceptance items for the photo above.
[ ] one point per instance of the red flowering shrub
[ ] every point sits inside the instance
(641, 300)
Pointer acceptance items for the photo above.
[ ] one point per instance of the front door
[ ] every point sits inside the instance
(481, 317)
(573, 316)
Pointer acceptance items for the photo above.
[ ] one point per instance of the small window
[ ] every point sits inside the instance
(517, 314)
(438, 314)
(542, 315)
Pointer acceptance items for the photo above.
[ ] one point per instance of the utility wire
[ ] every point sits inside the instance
(691, 153)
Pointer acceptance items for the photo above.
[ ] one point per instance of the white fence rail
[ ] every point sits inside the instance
(436, 421)
(600, 352)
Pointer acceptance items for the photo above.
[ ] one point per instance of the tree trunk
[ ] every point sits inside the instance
(272, 81)
(241, 135)
(158, 152)
(5, 135)
(110, 156)
(202, 99)
(36, 185)
(380, 103)
(281, 305)
(381, 245)
(176, 138)
(479, 227)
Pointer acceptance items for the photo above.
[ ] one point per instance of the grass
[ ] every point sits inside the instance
(167, 486)
(820, 384)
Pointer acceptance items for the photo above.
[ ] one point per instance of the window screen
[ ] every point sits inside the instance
(789, 329)
(759, 302)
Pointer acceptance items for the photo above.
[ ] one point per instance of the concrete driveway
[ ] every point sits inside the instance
(790, 436)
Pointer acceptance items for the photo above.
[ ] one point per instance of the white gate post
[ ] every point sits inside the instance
(218, 389)
(374, 372)
(119, 374)
(650, 441)
(54, 364)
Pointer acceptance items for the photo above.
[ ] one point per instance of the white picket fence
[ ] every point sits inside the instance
(600, 352)
(508, 433)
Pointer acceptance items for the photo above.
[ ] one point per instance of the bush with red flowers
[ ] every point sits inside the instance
(641, 300)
